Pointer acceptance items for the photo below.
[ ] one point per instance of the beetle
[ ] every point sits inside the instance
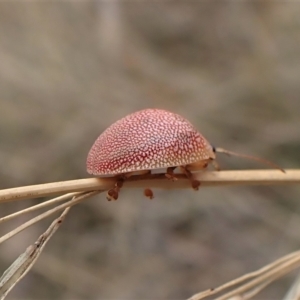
(151, 139)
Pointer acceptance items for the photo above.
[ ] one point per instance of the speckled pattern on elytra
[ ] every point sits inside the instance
(147, 139)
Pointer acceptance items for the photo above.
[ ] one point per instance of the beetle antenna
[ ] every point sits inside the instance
(261, 160)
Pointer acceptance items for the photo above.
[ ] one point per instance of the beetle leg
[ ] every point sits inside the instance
(170, 173)
(148, 193)
(195, 183)
(113, 193)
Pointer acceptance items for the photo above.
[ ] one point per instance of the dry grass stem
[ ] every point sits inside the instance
(38, 206)
(251, 283)
(21, 266)
(246, 286)
(207, 178)
(75, 200)
(294, 292)
(254, 291)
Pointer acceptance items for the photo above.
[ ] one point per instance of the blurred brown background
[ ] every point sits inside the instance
(70, 69)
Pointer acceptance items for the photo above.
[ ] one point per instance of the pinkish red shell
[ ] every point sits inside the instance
(145, 140)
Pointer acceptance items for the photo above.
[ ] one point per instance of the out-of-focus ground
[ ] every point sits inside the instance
(70, 69)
